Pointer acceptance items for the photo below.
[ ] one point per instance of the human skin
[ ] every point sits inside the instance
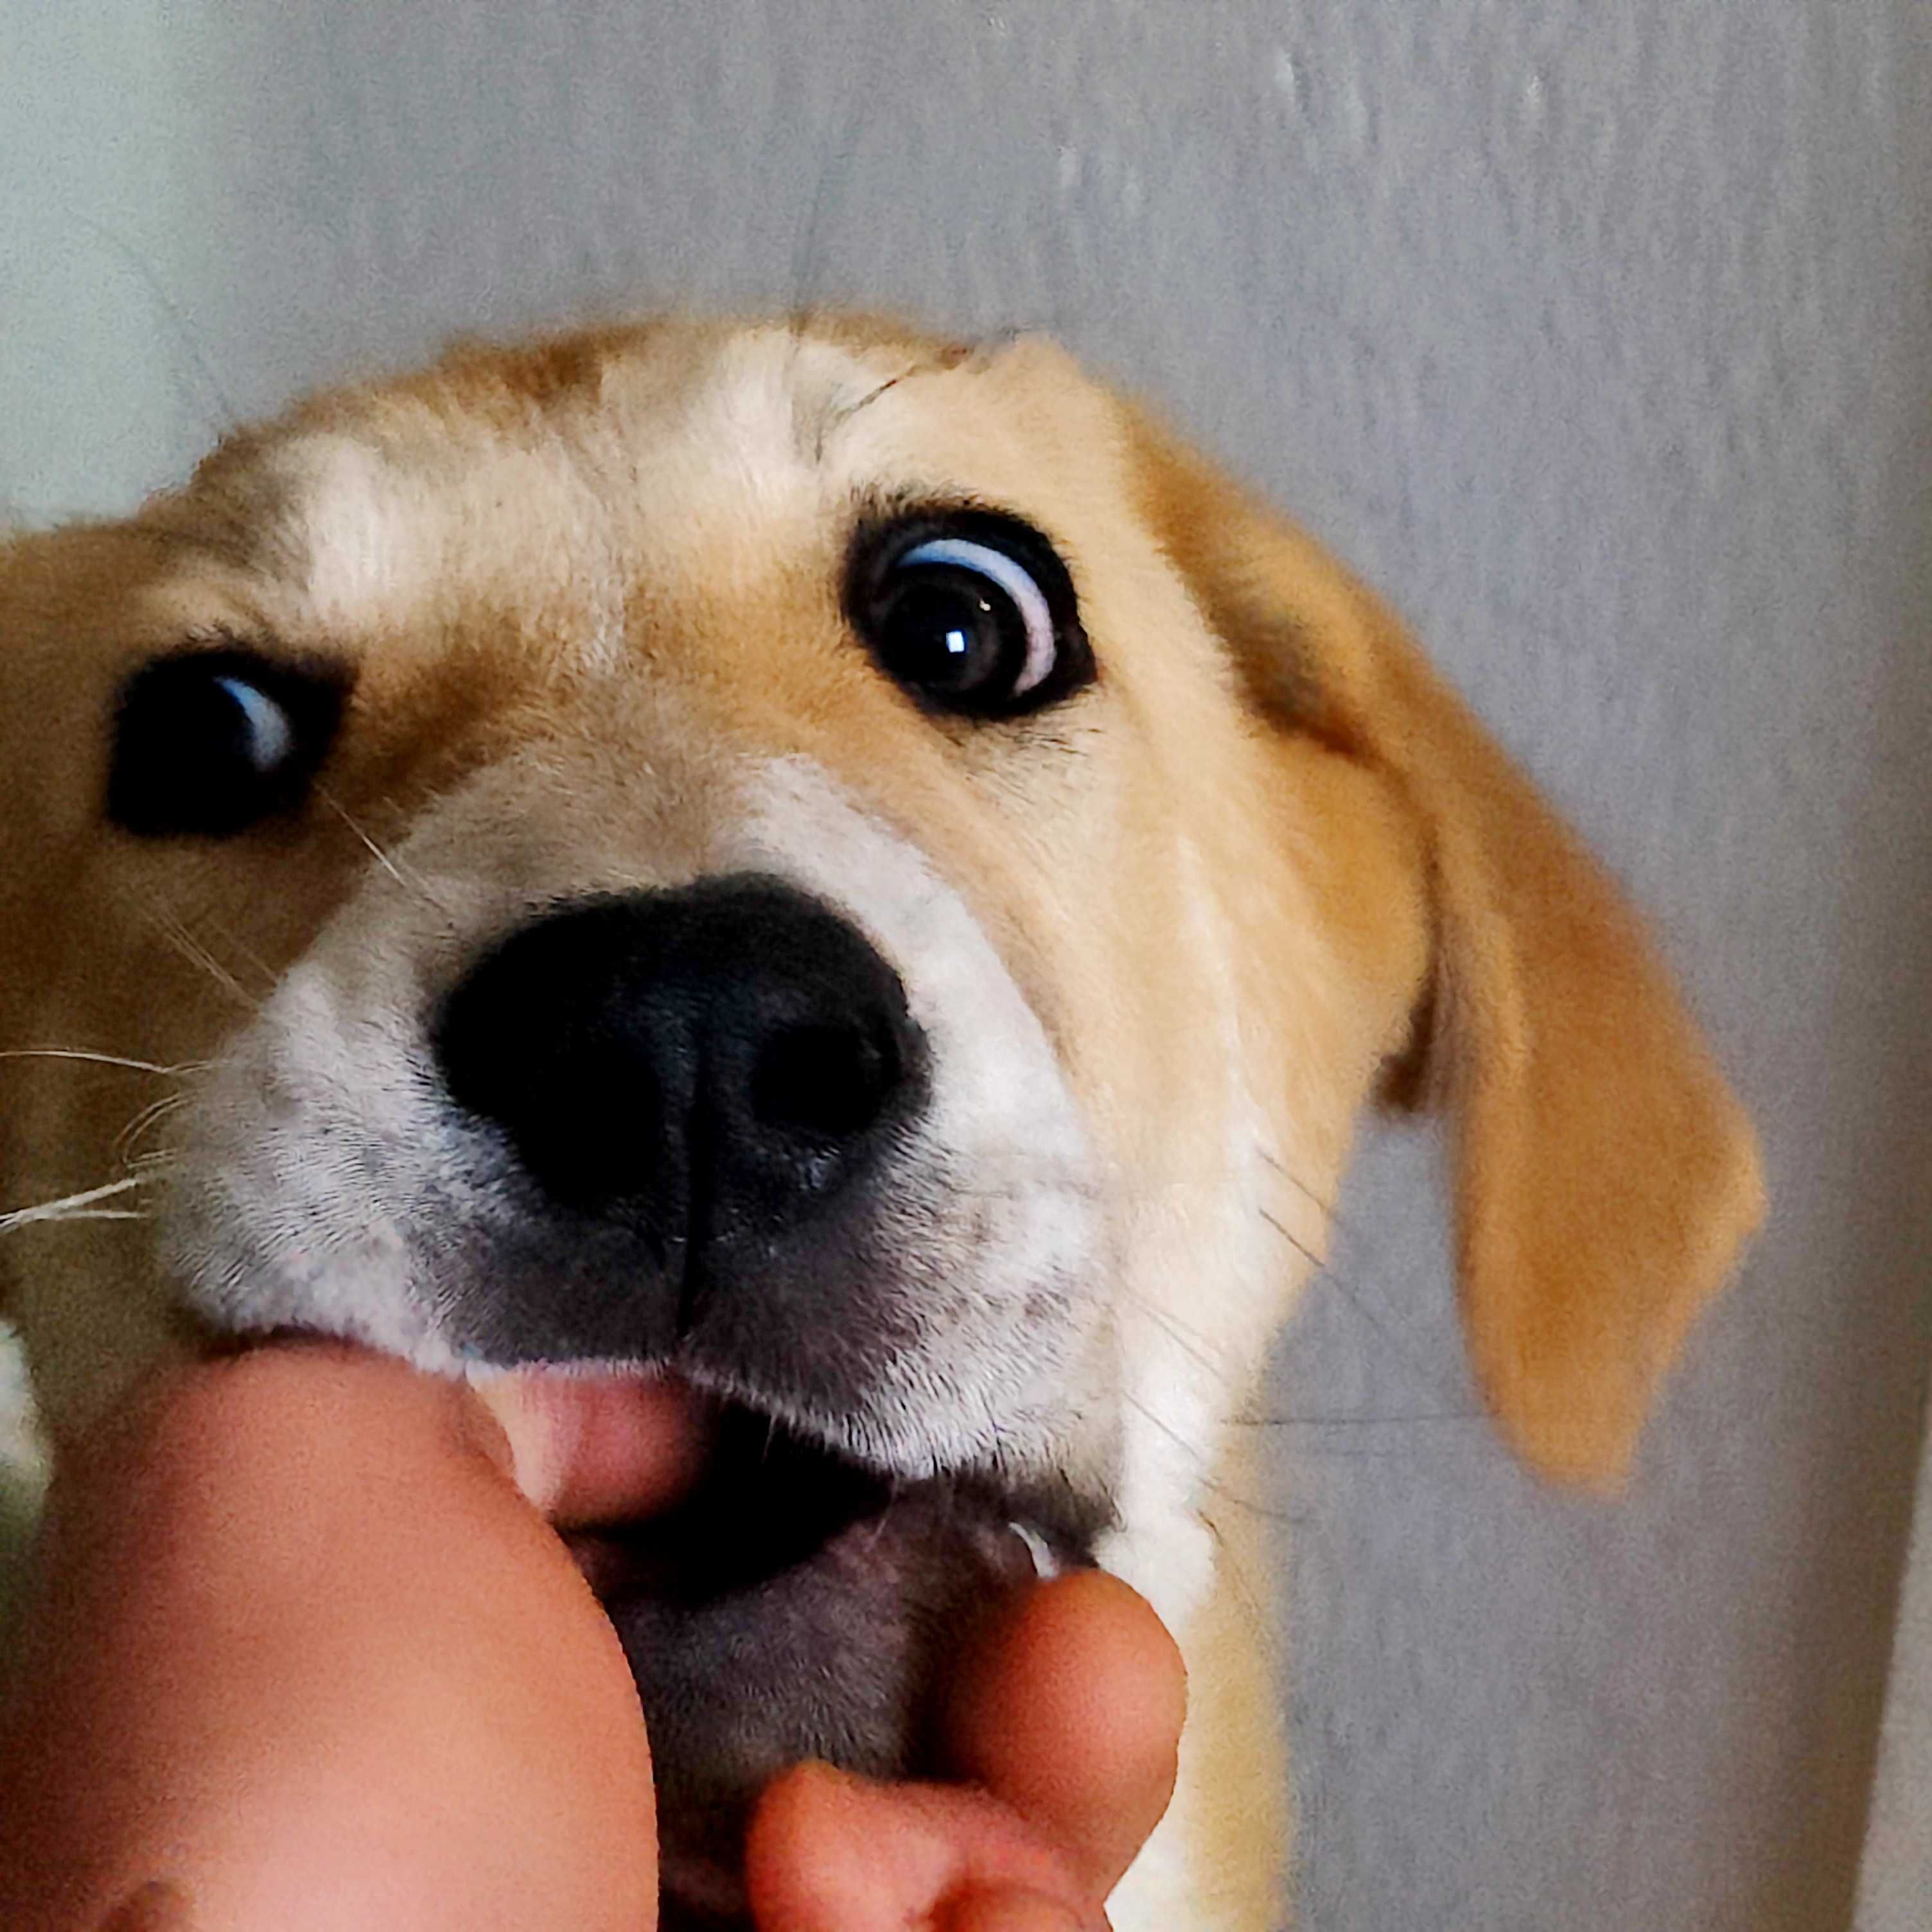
(306, 1650)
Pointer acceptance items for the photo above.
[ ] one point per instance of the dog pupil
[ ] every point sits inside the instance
(207, 742)
(944, 633)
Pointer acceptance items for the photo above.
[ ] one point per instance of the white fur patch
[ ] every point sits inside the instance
(367, 557)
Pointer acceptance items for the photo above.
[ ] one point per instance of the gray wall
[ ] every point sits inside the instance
(1895, 1889)
(1600, 335)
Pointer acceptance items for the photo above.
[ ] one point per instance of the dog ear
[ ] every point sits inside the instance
(59, 591)
(39, 572)
(1604, 1177)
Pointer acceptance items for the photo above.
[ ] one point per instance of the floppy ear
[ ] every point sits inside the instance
(1604, 1177)
(44, 581)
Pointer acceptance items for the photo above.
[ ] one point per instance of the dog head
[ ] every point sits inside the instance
(847, 869)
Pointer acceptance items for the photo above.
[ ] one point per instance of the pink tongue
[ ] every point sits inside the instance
(599, 1446)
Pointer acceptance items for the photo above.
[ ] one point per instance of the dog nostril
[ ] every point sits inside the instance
(698, 1065)
(832, 1081)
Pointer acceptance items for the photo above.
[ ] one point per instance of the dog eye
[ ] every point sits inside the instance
(207, 743)
(970, 613)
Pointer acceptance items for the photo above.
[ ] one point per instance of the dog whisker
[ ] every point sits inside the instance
(8, 1221)
(1324, 1207)
(1117, 1184)
(1265, 1510)
(835, 416)
(1117, 1181)
(1424, 1371)
(188, 342)
(1191, 1340)
(144, 1123)
(251, 956)
(1300, 1247)
(1421, 1369)
(78, 1207)
(191, 949)
(1419, 1417)
(101, 1059)
(1230, 1570)
(409, 883)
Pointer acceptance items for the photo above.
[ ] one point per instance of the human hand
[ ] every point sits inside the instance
(303, 1655)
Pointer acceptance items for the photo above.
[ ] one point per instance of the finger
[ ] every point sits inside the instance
(1069, 1709)
(1007, 1909)
(306, 1656)
(830, 1851)
(592, 1448)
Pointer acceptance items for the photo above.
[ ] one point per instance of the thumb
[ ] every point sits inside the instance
(1069, 1709)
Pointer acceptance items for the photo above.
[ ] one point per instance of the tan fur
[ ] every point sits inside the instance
(1268, 868)
(1604, 1176)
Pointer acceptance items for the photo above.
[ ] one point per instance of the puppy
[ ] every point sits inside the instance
(850, 870)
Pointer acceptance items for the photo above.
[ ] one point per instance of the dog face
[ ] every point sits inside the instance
(846, 869)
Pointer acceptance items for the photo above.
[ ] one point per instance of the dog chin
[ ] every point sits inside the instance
(796, 1605)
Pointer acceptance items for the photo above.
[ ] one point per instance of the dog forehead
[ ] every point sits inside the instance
(557, 483)
(395, 505)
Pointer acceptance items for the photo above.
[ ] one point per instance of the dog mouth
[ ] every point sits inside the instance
(768, 1501)
(796, 1603)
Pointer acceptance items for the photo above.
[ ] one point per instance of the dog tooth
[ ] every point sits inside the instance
(1046, 1565)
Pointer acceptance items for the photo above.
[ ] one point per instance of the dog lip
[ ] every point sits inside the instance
(789, 1603)
(622, 1566)
(770, 1500)
(839, 1652)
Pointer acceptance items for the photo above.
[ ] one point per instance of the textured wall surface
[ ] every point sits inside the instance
(1600, 336)
(1895, 1891)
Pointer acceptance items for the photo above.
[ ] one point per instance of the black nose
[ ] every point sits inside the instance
(702, 1065)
